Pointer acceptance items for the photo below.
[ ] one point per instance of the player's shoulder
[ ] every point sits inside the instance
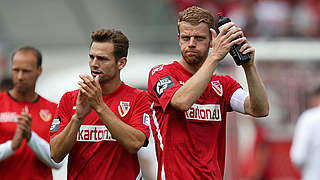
(3, 94)
(161, 67)
(47, 101)
(311, 113)
(70, 94)
(133, 92)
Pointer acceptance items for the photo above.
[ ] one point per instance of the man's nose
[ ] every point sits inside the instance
(20, 75)
(94, 62)
(192, 42)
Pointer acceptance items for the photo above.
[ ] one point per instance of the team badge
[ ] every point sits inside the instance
(123, 108)
(45, 115)
(217, 87)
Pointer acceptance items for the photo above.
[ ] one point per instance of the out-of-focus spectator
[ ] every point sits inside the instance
(305, 18)
(6, 84)
(242, 14)
(265, 18)
(273, 17)
(305, 150)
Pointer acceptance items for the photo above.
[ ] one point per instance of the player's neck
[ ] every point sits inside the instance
(110, 86)
(191, 68)
(29, 96)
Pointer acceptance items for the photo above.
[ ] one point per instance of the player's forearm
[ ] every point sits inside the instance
(190, 92)
(130, 138)
(62, 144)
(259, 105)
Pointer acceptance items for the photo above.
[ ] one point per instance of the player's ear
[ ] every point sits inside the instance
(213, 33)
(122, 63)
(39, 70)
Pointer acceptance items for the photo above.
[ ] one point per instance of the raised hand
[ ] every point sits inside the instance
(17, 138)
(82, 106)
(246, 48)
(222, 43)
(25, 123)
(91, 89)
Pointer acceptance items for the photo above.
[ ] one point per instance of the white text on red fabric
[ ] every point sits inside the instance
(94, 133)
(207, 112)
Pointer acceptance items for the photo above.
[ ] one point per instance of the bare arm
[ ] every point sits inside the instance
(256, 104)
(62, 144)
(190, 92)
(129, 137)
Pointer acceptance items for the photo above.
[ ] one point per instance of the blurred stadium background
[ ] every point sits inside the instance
(285, 34)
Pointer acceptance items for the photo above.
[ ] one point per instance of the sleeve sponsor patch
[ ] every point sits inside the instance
(163, 84)
(146, 119)
(55, 124)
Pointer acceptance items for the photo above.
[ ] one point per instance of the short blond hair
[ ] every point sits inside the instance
(195, 15)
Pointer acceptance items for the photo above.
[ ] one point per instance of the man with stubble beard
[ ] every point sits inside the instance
(190, 102)
(105, 122)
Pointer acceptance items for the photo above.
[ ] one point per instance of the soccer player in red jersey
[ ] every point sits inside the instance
(25, 120)
(190, 103)
(104, 123)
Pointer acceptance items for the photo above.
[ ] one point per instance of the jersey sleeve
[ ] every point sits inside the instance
(162, 85)
(140, 118)
(232, 85)
(62, 115)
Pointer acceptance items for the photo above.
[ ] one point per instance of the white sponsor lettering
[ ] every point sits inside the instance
(94, 133)
(207, 112)
(8, 117)
(157, 68)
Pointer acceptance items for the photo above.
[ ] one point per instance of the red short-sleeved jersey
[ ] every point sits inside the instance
(96, 155)
(191, 144)
(24, 164)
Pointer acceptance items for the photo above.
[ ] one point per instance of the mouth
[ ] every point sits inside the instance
(96, 73)
(191, 53)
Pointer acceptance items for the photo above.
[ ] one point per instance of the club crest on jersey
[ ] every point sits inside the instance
(123, 108)
(45, 115)
(163, 84)
(217, 87)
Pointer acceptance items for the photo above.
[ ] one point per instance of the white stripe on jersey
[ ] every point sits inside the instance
(163, 174)
(139, 175)
(155, 120)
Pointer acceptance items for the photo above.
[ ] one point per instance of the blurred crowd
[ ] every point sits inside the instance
(266, 18)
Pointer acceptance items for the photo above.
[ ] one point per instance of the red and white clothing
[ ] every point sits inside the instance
(24, 163)
(191, 144)
(96, 155)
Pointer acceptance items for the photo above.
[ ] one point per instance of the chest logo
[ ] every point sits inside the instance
(217, 87)
(45, 115)
(123, 108)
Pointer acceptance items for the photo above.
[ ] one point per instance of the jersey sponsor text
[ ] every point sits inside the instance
(207, 112)
(8, 117)
(94, 133)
